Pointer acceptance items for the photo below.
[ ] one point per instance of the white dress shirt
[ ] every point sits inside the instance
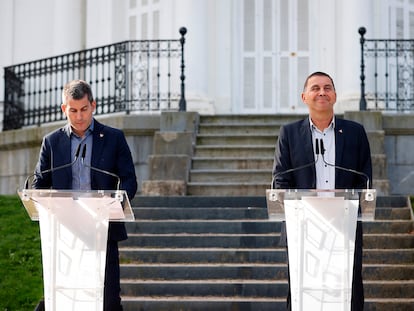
(325, 174)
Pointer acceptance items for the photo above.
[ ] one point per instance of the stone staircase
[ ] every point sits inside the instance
(233, 154)
(221, 253)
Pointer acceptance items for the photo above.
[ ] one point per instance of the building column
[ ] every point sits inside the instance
(193, 15)
(352, 14)
(68, 26)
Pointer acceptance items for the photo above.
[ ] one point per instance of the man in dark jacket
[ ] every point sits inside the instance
(106, 149)
(345, 145)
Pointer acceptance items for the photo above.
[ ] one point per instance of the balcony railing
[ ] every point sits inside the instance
(127, 76)
(387, 74)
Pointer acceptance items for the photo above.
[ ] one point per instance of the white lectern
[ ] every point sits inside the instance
(321, 227)
(74, 231)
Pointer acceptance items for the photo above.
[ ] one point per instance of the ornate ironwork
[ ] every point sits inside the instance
(388, 83)
(126, 76)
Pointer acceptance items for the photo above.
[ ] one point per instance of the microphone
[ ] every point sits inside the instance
(98, 169)
(52, 169)
(299, 167)
(340, 167)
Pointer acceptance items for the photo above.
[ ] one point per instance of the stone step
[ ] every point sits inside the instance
(388, 215)
(256, 271)
(248, 119)
(245, 151)
(388, 227)
(200, 226)
(388, 241)
(230, 189)
(235, 139)
(183, 240)
(231, 163)
(204, 288)
(228, 207)
(218, 271)
(220, 303)
(249, 288)
(231, 176)
(184, 303)
(396, 201)
(387, 289)
(129, 254)
(239, 129)
(266, 163)
(388, 256)
(198, 213)
(388, 272)
(393, 213)
(264, 240)
(224, 165)
(246, 188)
(387, 304)
(244, 255)
(204, 227)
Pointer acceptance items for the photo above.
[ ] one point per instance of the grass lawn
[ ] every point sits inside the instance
(21, 283)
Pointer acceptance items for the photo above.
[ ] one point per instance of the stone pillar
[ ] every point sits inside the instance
(68, 26)
(351, 15)
(372, 122)
(170, 163)
(193, 15)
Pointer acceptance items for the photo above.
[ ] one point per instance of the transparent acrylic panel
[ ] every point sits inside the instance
(275, 200)
(116, 201)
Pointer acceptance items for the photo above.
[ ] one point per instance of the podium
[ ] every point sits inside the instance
(74, 232)
(321, 227)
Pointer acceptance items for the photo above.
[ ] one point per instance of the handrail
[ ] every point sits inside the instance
(135, 75)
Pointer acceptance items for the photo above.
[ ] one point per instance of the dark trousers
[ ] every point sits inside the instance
(112, 289)
(357, 300)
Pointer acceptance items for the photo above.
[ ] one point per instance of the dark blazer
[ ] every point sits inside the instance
(295, 148)
(110, 152)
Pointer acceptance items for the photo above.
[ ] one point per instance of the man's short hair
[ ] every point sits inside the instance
(76, 89)
(317, 73)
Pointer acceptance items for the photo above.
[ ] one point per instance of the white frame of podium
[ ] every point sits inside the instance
(74, 230)
(321, 227)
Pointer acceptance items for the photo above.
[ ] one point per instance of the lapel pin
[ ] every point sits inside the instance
(101, 135)
(340, 131)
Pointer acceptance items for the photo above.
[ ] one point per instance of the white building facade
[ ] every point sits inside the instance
(241, 56)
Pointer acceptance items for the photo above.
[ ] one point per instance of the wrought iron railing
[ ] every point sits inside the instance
(127, 76)
(387, 74)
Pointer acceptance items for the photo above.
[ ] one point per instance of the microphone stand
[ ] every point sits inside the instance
(52, 169)
(299, 167)
(118, 194)
(340, 167)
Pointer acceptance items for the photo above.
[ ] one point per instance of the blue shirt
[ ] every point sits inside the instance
(81, 174)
